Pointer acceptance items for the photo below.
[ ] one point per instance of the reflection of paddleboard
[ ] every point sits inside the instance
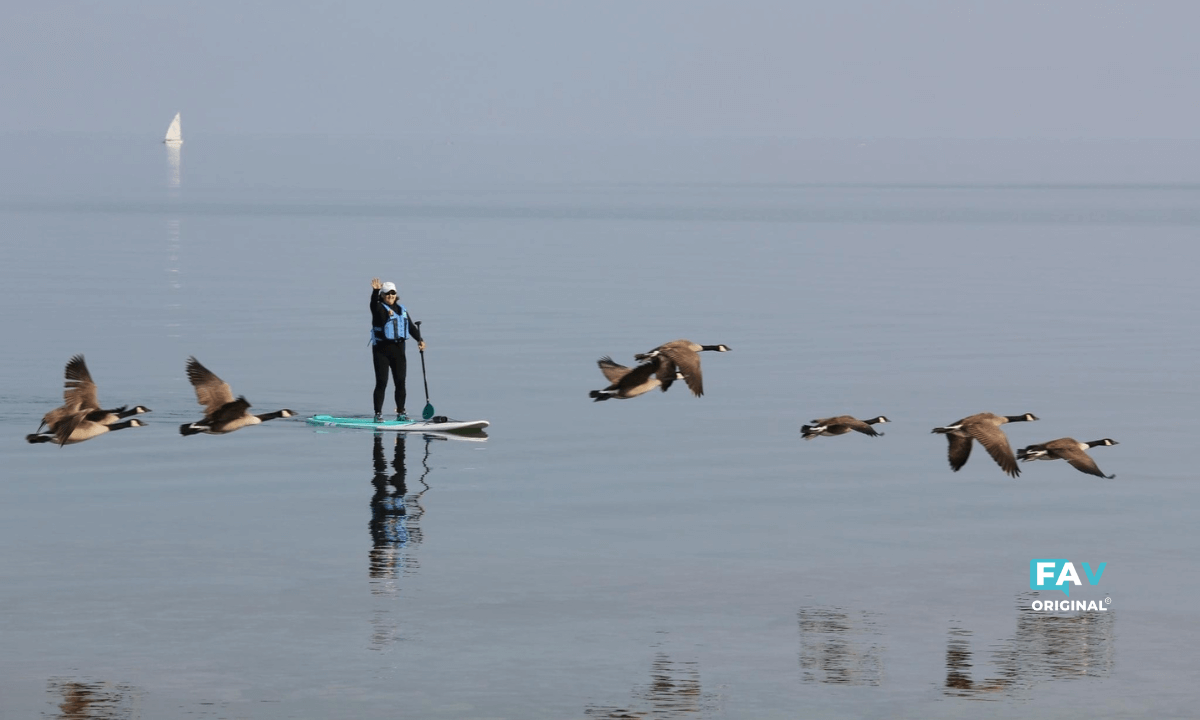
(461, 435)
(439, 424)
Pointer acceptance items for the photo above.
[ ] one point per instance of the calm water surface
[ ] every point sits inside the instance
(662, 557)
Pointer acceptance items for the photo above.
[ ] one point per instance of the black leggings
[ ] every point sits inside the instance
(389, 355)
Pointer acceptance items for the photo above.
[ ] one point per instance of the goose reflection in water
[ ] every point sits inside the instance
(1045, 647)
(94, 700)
(959, 677)
(674, 691)
(840, 646)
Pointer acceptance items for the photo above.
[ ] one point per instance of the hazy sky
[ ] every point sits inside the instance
(1072, 69)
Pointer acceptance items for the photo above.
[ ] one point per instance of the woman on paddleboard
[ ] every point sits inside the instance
(390, 326)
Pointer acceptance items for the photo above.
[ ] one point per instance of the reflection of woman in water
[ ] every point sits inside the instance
(394, 513)
(388, 532)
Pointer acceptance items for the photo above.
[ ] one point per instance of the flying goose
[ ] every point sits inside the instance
(223, 414)
(79, 395)
(630, 382)
(1068, 449)
(984, 427)
(841, 425)
(684, 359)
(77, 428)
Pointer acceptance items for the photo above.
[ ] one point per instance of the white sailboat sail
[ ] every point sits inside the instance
(174, 132)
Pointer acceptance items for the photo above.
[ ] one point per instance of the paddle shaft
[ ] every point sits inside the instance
(423, 378)
(428, 411)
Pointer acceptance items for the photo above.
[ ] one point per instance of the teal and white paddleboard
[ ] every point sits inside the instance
(436, 424)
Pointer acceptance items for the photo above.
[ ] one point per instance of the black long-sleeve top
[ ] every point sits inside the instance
(379, 316)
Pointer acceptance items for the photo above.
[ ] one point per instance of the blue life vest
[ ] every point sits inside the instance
(395, 329)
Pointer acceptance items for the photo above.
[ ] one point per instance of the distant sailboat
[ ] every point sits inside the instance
(174, 132)
(174, 142)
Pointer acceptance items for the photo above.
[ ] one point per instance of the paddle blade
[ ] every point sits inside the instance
(428, 411)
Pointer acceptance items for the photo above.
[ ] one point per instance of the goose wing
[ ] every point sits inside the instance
(1083, 462)
(1079, 459)
(959, 451)
(78, 389)
(665, 370)
(211, 391)
(855, 424)
(67, 426)
(56, 416)
(612, 370)
(665, 347)
(230, 411)
(637, 376)
(993, 439)
(688, 363)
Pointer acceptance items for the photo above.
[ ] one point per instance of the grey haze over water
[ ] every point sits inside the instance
(940, 68)
(667, 555)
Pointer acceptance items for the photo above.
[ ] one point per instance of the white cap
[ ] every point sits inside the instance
(386, 288)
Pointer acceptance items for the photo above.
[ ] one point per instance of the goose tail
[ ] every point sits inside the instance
(1025, 454)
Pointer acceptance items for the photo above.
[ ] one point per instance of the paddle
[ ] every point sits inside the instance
(428, 411)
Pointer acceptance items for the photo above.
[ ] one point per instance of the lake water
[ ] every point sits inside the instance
(666, 556)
